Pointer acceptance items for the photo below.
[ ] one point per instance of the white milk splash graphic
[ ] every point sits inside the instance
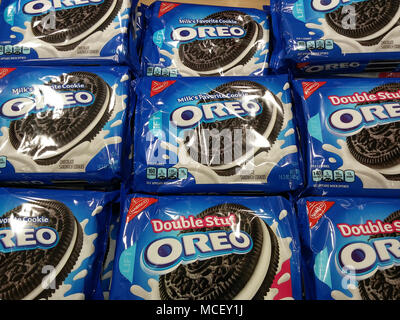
(370, 178)
(354, 294)
(94, 43)
(349, 45)
(262, 164)
(285, 254)
(82, 154)
(253, 66)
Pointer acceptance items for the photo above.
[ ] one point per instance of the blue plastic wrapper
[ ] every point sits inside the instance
(215, 135)
(52, 243)
(197, 40)
(350, 248)
(349, 132)
(210, 237)
(64, 125)
(318, 36)
(64, 32)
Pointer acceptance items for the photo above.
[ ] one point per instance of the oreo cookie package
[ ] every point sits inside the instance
(206, 248)
(350, 128)
(89, 31)
(216, 134)
(350, 248)
(336, 36)
(198, 40)
(52, 243)
(63, 124)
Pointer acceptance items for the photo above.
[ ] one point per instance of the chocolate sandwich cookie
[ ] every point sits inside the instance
(228, 276)
(66, 28)
(210, 57)
(257, 130)
(378, 147)
(48, 135)
(53, 243)
(367, 21)
(384, 284)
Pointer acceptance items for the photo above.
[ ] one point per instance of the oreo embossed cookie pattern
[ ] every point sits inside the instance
(335, 36)
(68, 121)
(227, 277)
(215, 56)
(66, 28)
(22, 271)
(266, 124)
(378, 147)
(367, 22)
(216, 248)
(52, 243)
(215, 134)
(39, 32)
(198, 40)
(62, 130)
(352, 133)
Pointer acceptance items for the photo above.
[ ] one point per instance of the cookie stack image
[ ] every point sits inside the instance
(65, 143)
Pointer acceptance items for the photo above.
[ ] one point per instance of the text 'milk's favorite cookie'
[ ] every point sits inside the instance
(352, 127)
(62, 124)
(64, 31)
(206, 248)
(350, 248)
(215, 134)
(197, 40)
(52, 243)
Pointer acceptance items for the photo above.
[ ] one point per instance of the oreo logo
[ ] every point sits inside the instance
(347, 121)
(189, 116)
(27, 239)
(185, 34)
(364, 258)
(165, 254)
(19, 107)
(41, 6)
(332, 67)
(328, 5)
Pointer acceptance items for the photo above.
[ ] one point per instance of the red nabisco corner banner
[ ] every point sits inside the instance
(166, 7)
(317, 209)
(137, 206)
(5, 71)
(310, 87)
(158, 86)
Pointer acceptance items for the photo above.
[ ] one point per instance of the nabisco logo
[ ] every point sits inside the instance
(166, 7)
(316, 209)
(5, 71)
(137, 206)
(310, 87)
(157, 86)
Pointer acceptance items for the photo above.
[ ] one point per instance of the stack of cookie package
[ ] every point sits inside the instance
(182, 151)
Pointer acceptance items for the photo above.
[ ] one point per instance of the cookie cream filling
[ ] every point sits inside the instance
(49, 278)
(78, 139)
(394, 170)
(261, 269)
(261, 142)
(239, 58)
(88, 32)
